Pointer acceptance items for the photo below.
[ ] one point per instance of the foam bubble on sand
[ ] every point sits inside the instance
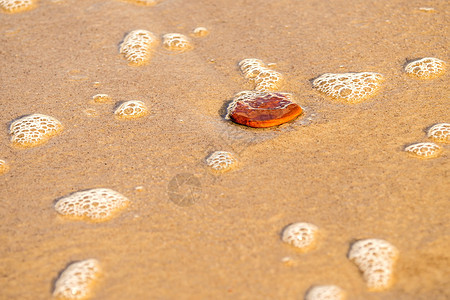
(301, 235)
(325, 292)
(221, 161)
(131, 110)
(101, 98)
(137, 46)
(375, 258)
(90, 112)
(96, 204)
(15, 6)
(426, 68)
(424, 150)
(440, 133)
(176, 42)
(143, 2)
(34, 130)
(348, 87)
(3, 167)
(251, 67)
(76, 281)
(265, 79)
(427, 9)
(200, 32)
(268, 80)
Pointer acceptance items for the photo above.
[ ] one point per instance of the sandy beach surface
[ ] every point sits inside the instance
(341, 167)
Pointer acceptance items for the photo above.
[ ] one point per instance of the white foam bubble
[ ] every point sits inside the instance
(221, 161)
(424, 150)
(325, 292)
(264, 78)
(101, 98)
(143, 2)
(75, 282)
(34, 130)
(137, 46)
(95, 205)
(176, 42)
(375, 258)
(440, 133)
(348, 87)
(426, 68)
(3, 167)
(200, 32)
(301, 235)
(131, 110)
(15, 6)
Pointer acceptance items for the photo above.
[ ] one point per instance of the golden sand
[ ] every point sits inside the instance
(344, 170)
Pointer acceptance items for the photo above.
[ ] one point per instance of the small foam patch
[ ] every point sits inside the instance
(264, 78)
(137, 46)
(221, 161)
(325, 292)
(440, 133)
(3, 167)
(426, 68)
(131, 110)
(301, 235)
(268, 80)
(34, 130)
(76, 281)
(251, 67)
(200, 32)
(176, 42)
(101, 98)
(375, 258)
(94, 205)
(15, 6)
(424, 150)
(348, 87)
(143, 2)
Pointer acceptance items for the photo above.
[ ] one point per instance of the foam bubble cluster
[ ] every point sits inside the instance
(94, 205)
(426, 68)
(76, 281)
(348, 87)
(143, 2)
(137, 46)
(325, 292)
(131, 110)
(424, 150)
(301, 235)
(101, 98)
(250, 67)
(3, 167)
(264, 78)
(176, 42)
(15, 6)
(375, 258)
(221, 161)
(200, 32)
(440, 133)
(34, 130)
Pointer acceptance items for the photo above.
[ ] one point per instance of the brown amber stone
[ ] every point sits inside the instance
(267, 110)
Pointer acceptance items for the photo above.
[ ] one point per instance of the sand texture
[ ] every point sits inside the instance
(339, 166)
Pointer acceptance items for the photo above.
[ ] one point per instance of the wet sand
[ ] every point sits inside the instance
(343, 170)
